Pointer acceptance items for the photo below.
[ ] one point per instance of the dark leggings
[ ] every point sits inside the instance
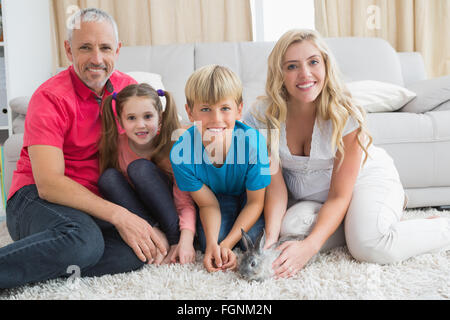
(151, 198)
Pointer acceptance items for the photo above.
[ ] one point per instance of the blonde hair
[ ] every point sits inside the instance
(334, 102)
(211, 84)
(162, 143)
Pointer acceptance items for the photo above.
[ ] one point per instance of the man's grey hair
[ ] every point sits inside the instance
(90, 15)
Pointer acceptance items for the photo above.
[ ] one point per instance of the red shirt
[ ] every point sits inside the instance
(65, 113)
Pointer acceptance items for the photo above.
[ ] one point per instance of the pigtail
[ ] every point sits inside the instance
(108, 149)
(169, 123)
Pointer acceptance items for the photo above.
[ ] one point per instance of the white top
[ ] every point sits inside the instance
(308, 178)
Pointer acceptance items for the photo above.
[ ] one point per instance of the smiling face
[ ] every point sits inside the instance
(217, 120)
(93, 52)
(140, 120)
(304, 72)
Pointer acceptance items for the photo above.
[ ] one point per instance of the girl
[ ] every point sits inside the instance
(135, 168)
(326, 156)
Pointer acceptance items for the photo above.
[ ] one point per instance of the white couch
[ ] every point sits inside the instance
(418, 142)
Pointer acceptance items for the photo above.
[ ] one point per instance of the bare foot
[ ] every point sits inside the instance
(169, 255)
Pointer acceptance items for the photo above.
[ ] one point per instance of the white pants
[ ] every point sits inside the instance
(373, 228)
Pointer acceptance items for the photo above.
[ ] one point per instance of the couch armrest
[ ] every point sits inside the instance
(12, 148)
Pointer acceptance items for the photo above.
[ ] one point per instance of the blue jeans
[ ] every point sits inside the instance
(151, 198)
(49, 238)
(230, 208)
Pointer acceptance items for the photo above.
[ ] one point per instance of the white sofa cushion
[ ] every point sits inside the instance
(430, 94)
(443, 107)
(175, 63)
(377, 96)
(19, 105)
(152, 79)
(418, 143)
(367, 59)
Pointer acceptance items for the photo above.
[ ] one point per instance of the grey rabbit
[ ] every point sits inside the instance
(256, 262)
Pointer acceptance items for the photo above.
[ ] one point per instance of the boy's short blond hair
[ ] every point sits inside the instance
(211, 84)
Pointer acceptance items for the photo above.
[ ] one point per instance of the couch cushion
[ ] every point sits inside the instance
(19, 105)
(12, 147)
(152, 79)
(358, 58)
(374, 59)
(175, 63)
(413, 67)
(367, 59)
(430, 94)
(443, 107)
(419, 143)
(377, 96)
(247, 59)
(18, 124)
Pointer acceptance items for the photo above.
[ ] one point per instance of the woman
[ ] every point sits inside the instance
(327, 156)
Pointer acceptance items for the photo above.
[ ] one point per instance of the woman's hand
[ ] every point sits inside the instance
(270, 240)
(294, 256)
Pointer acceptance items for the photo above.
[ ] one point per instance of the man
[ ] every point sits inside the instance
(54, 202)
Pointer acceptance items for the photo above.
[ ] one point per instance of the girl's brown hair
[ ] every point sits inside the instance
(162, 143)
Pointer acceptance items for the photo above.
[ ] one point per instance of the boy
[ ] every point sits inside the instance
(223, 163)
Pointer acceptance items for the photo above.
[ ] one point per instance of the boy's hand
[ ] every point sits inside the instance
(228, 259)
(212, 259)
(219, 258)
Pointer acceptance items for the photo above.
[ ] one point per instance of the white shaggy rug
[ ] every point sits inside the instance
(334, 275)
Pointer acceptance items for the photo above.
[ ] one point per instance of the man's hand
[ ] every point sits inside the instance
(48, 171)
(140, 236)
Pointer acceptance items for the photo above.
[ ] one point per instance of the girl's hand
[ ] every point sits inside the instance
(295, 255)
(183, 253)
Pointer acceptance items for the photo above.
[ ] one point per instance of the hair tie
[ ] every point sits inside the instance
(162, 97)
(114, 95)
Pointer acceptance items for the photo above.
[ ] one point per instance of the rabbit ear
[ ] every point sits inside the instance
(260, 241)
(248, 243)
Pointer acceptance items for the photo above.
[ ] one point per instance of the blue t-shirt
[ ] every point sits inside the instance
(246, 165)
